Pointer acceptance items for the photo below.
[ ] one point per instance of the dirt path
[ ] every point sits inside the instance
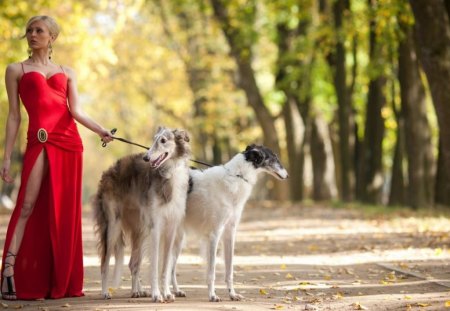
(294, 257)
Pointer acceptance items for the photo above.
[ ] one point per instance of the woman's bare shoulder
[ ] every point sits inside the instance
(13, 70)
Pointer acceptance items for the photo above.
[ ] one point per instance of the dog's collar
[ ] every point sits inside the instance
(236, 175)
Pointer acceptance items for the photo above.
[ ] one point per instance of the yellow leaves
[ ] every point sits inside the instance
(420, 304)
(289, 276)
(277, 307)
(338, 295)
(358, 306)
(438, 251)
(313, 247)
(447, 304)
(283, 266)
(263, 291)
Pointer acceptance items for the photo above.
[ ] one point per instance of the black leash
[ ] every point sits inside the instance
(114, 130)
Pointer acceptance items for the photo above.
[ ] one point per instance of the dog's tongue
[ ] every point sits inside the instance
(157, 161)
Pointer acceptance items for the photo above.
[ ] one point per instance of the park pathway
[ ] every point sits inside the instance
(298, 257)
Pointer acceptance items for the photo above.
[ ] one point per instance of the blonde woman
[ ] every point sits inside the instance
(42, 256)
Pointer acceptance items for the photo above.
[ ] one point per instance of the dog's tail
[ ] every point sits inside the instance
(108, 230)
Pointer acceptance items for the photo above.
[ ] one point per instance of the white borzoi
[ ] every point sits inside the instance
(140, 196)
(215, 204)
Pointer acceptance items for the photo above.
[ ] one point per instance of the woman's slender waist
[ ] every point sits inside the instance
(67, 138)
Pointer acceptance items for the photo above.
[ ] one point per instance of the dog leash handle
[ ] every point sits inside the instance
(113, 131)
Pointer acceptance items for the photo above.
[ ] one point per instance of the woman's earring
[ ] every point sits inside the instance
(30, 52)
(50, 52)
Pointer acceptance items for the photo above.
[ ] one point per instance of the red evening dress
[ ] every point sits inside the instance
(49, 262)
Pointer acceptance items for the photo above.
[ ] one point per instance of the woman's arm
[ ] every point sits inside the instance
(78, 114)
(13, 121)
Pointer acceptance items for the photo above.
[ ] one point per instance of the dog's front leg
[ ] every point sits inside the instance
(155, 236)
(211, 277)
(229, 236)
(177, 247)
(167, 258)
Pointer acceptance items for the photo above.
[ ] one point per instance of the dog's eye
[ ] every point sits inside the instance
(163, 140)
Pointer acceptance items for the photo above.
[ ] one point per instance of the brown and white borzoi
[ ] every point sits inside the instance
(140, 196)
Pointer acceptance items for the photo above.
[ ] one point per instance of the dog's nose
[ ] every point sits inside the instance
(146, 158)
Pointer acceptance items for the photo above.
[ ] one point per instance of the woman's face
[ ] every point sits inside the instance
(38, 35)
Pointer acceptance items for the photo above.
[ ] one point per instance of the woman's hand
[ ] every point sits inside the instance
(5, 171)
(106, 136)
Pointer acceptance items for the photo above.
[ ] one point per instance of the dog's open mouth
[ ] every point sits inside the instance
(159, 160)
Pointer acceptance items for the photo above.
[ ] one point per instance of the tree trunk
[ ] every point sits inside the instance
(397, 193)
(346, 141)
(247, 81)
(432, 35)
(324, 183)
(370, 170)
(295, 131)
(417, 129)
(442, 188)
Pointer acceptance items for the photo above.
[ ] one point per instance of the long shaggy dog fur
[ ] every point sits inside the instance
(143, 196)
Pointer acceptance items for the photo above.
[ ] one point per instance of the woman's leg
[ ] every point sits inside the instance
(31, 193)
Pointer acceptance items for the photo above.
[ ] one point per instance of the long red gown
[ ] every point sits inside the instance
(49, 263)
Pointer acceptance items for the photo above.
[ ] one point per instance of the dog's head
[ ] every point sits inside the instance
(168, 144)
(262, 158)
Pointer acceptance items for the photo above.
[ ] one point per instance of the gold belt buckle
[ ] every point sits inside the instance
(42, 135)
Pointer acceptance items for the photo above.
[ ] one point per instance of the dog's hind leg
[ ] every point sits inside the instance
(118, 266)
(211, 270)
(178, 246)
(229, 236)
(135, 267)
(104, 271)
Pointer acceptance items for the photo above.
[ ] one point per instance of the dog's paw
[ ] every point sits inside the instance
(214, 298)
(145, 293)
(106, 295)
(180, 293)
(135, 295)
(236, 297)
(157, 298)
(169, 297)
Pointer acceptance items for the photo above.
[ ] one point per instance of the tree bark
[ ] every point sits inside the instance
(432, 35)
(346, 141)
(417, 129)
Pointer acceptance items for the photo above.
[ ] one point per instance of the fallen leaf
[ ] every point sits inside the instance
(408, 297)
(262, 291)
(313, 247)
(289, 276)
(338, 296)
(277, 307)
(358, 306)
(66, 305)
(420, 304)
(283, 267)
(447, 304)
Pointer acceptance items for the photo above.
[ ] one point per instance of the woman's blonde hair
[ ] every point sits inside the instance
(53, 27)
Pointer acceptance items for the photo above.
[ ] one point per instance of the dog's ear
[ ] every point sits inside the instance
(181, 134)
(254, 155)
